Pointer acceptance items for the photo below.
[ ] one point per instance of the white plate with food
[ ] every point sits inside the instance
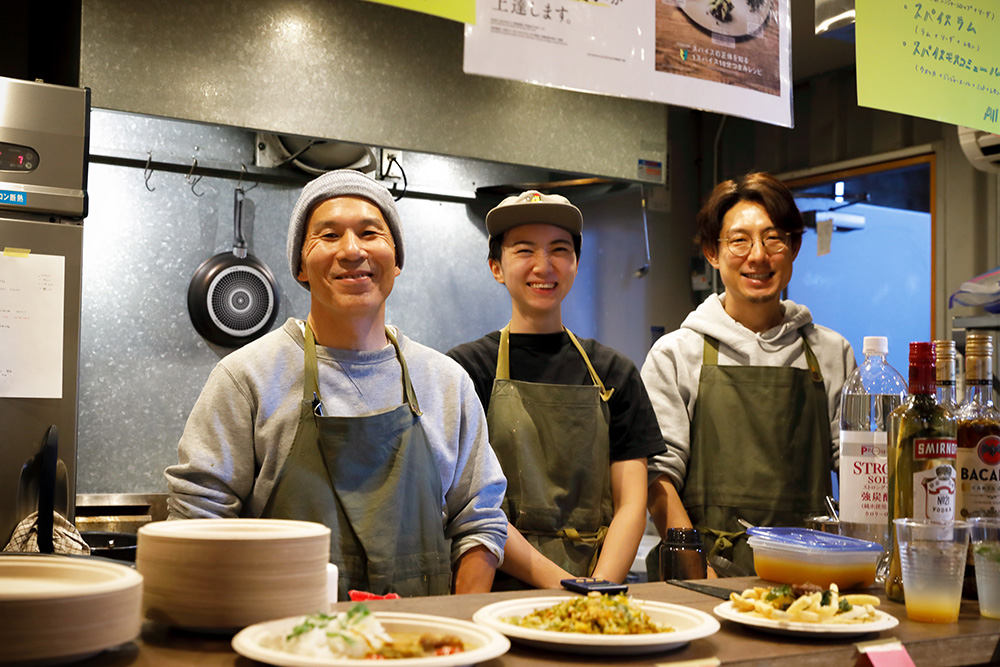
(685, 624)
(733, 18)
(882, 621)
(340, 640)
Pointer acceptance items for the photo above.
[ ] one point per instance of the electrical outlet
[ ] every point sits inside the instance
(388, 155)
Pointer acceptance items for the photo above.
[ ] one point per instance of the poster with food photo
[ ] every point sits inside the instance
(727, 56)
(734, 42)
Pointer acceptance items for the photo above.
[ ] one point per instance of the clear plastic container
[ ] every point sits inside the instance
(802, 555)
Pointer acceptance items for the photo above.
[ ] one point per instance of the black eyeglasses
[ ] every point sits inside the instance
(773, 242)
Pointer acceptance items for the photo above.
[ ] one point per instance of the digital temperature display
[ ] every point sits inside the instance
(17, 158)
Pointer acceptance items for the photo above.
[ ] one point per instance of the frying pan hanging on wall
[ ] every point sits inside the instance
(233, 297)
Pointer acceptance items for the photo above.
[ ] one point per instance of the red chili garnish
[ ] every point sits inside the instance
(374, 656)
(448, 650)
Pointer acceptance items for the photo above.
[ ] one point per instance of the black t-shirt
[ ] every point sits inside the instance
(553, 359)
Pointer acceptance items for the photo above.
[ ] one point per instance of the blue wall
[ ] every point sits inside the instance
(875, 281)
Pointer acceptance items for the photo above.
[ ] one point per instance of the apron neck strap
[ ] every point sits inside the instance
(409, 396)
(503, 361)
(503, 355)
(814, 369)
(605, 393)
(310, 382)
(711, 356)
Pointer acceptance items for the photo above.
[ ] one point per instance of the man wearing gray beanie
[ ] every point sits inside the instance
(306, 423)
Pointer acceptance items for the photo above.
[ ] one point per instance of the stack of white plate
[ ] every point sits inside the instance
(58, 608)
(221, 574)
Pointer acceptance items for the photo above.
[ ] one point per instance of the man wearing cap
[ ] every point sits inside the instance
(342, 420)
(568, 418)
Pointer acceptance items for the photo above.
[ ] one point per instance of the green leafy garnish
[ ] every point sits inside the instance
(778, 592)
(346, 638)
(987, 551)
(357, 613)
(302, 628)
(844, 606)
(824, 600)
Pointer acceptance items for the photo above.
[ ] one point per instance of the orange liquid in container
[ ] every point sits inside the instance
(930, 608)
(846, 575)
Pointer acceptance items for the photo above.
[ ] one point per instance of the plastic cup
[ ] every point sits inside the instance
(985, 534)
(933, 558)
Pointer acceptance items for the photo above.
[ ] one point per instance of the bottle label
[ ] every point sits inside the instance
(864, 496)
(934, 493)
(979, 478)
(934, 448)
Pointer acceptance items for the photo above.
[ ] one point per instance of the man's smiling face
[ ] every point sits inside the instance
(348, 257)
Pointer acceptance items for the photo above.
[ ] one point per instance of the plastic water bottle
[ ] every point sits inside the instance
(869, 396)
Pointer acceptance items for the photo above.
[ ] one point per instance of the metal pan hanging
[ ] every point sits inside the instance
(233, 297)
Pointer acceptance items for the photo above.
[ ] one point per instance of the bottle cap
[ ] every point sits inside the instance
(922, 368)
(875, 345)
(978, 344)
(944, 350)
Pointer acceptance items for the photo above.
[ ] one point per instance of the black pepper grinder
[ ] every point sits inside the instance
(681, 555)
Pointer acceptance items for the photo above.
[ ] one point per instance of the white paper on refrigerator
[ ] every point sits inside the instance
(32, 296)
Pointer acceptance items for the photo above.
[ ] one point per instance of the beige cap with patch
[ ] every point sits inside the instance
(532, 207)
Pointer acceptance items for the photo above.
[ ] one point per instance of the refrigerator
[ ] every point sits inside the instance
(44, 156)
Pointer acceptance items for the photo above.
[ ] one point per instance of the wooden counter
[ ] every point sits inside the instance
(973, 640)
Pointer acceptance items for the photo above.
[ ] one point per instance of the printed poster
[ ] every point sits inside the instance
(937, 59)
(31, 325)
(728, 56)
(463, 11)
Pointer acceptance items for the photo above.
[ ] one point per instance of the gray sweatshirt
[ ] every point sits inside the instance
(672, 371)
(242, 427)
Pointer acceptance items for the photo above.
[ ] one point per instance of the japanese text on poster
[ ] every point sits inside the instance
(729, 56)
(937, 59)
(31, 325)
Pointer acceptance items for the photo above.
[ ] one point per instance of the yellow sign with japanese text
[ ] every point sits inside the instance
(937, 59)
(463, 11)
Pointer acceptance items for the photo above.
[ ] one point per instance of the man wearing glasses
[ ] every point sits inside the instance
(747, 391)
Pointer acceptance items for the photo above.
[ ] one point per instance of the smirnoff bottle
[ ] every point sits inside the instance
(978, 461)
(921, 458)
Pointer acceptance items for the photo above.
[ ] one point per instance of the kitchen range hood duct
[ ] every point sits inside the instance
(835, 18)
(313, 156)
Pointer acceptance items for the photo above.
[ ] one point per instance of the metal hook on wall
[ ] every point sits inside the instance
(239, 183)
(147, 172)
(190, 178)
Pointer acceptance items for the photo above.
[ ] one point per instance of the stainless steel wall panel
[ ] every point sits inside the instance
(351, 71)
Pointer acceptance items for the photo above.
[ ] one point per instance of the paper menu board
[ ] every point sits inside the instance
(734, 60)
(32, 295)
(937, 59)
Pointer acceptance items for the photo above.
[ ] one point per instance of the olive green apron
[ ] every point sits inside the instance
(760, 451)
(374, 482)
(553, 444)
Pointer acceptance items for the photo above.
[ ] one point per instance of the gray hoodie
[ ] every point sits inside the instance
(672, 370)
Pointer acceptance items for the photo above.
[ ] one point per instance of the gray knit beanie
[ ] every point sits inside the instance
(339, 183)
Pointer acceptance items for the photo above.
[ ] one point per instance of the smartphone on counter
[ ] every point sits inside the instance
(589, 584)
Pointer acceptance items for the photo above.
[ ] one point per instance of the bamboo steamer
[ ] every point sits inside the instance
(62, 608)
(225, 574)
